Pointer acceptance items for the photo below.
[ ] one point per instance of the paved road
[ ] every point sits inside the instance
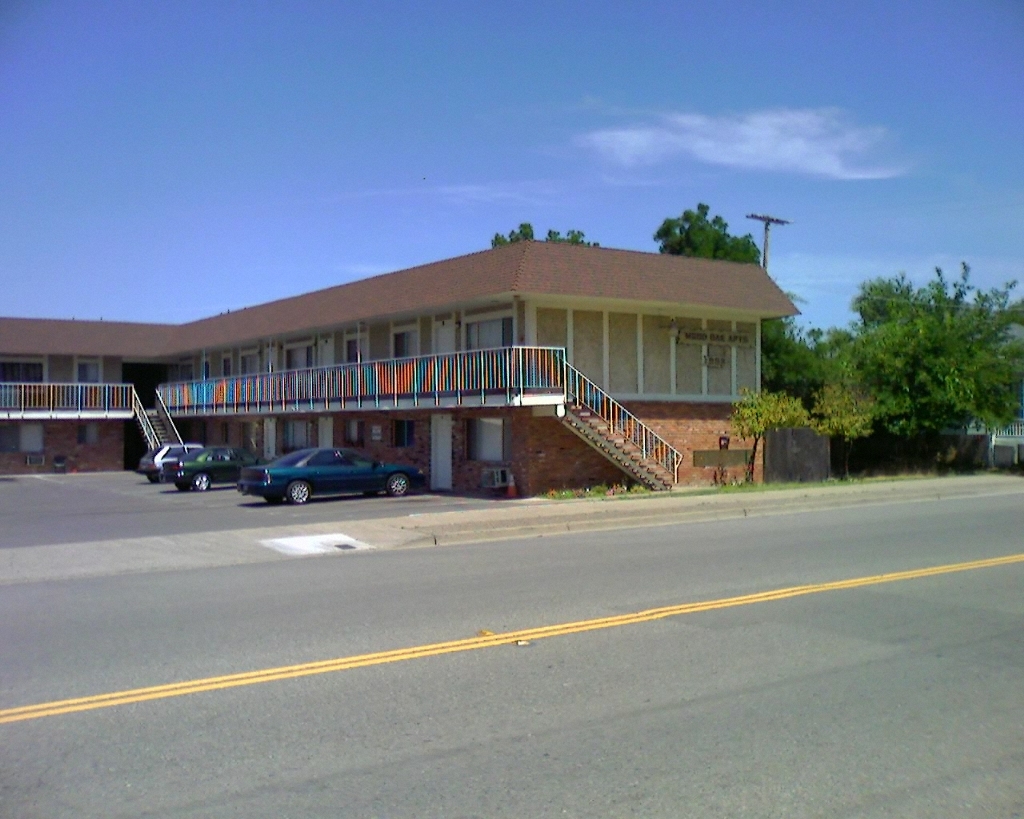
(901, 698)
(48, 509)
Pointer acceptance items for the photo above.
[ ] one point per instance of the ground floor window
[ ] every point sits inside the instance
(488, 439)
(21, 437)
(353, 432)
(89, 433)
(404, 433)
(297, 435)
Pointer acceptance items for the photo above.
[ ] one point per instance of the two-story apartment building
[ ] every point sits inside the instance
(553, 364)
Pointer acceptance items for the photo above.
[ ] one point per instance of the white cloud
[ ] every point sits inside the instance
(819, 142)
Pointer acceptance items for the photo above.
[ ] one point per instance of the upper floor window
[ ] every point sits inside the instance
(298, 358)
(249, 363)
(486, 335)
(405, 343)
(88, 372)
(21, 371)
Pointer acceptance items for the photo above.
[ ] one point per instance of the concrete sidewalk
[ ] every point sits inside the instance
(516, 519)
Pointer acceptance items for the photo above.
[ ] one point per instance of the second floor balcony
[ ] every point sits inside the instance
(48, 401)
(507, 376)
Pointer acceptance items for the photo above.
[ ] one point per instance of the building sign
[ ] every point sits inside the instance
(376, 432)
(709, 337)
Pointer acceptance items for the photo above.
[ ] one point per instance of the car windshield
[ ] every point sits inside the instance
(293, 458)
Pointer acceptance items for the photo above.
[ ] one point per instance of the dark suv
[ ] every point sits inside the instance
(150, 463)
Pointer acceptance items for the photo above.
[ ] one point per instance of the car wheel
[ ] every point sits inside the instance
(397, 484)
(298, 492)
(182, 487)
(153, 478)
(201, 482)
(274, 499)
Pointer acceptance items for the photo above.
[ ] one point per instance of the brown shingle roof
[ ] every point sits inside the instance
(21, 336)
(524, 268)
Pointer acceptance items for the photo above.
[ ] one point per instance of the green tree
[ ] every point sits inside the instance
(693, 234)
(935, 357)
(524, 233)
(795, 361)
(846, 412)
(757, 413)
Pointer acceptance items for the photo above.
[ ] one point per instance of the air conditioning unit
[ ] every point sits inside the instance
(35, 460)
(494, 478)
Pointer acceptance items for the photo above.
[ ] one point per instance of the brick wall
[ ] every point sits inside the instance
(60, 438)
(695, 426)
(548, 456)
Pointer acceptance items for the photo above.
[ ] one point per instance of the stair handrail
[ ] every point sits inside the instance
(652, 446)
(142, 419)
(165, 416)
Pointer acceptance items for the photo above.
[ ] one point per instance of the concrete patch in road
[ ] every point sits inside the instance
(315, 544)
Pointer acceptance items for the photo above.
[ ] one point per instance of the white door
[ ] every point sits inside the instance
(444, 336)
(440, 451)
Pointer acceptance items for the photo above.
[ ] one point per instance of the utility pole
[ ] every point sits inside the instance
(768, 222)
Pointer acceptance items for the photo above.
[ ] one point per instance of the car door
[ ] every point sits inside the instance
(325, 471)
(223, 466)
(360, 475)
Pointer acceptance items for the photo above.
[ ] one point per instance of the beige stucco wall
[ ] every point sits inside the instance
(657, 349)
(622, 363)
(61, 368)
(588, 343)
(552, 327)
(380, 341)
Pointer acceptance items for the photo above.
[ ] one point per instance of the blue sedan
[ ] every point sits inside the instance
(299, 475)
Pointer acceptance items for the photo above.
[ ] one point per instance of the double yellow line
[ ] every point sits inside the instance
(485, 640)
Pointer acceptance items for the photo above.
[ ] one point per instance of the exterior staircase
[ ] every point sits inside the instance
(618, 435)
(155, 424)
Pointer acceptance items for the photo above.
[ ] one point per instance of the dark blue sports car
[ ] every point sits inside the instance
(299, 475)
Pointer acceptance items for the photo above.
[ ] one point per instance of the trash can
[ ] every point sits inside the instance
(60, 463)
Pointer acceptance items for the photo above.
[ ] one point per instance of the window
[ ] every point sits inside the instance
(405, 433)
(89, 433)
(88, 372)
(486, 335)
(405, 343)
(325, 457)
(21, 372)
(206, 369)
(10, 441)
(488, 439)
(352, 351)
(353, 432)
(21, 437)
(225, 365)
(249, 363)
(298, 358)
(297, 435)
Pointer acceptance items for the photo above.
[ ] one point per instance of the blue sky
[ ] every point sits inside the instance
(168, 161)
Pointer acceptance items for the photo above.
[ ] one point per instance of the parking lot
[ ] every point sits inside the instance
(52, 509)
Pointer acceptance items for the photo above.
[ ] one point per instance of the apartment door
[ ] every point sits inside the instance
(440, 451)
(444, 336)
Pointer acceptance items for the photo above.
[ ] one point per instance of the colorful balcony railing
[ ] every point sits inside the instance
(66, 400)
(502, 375)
